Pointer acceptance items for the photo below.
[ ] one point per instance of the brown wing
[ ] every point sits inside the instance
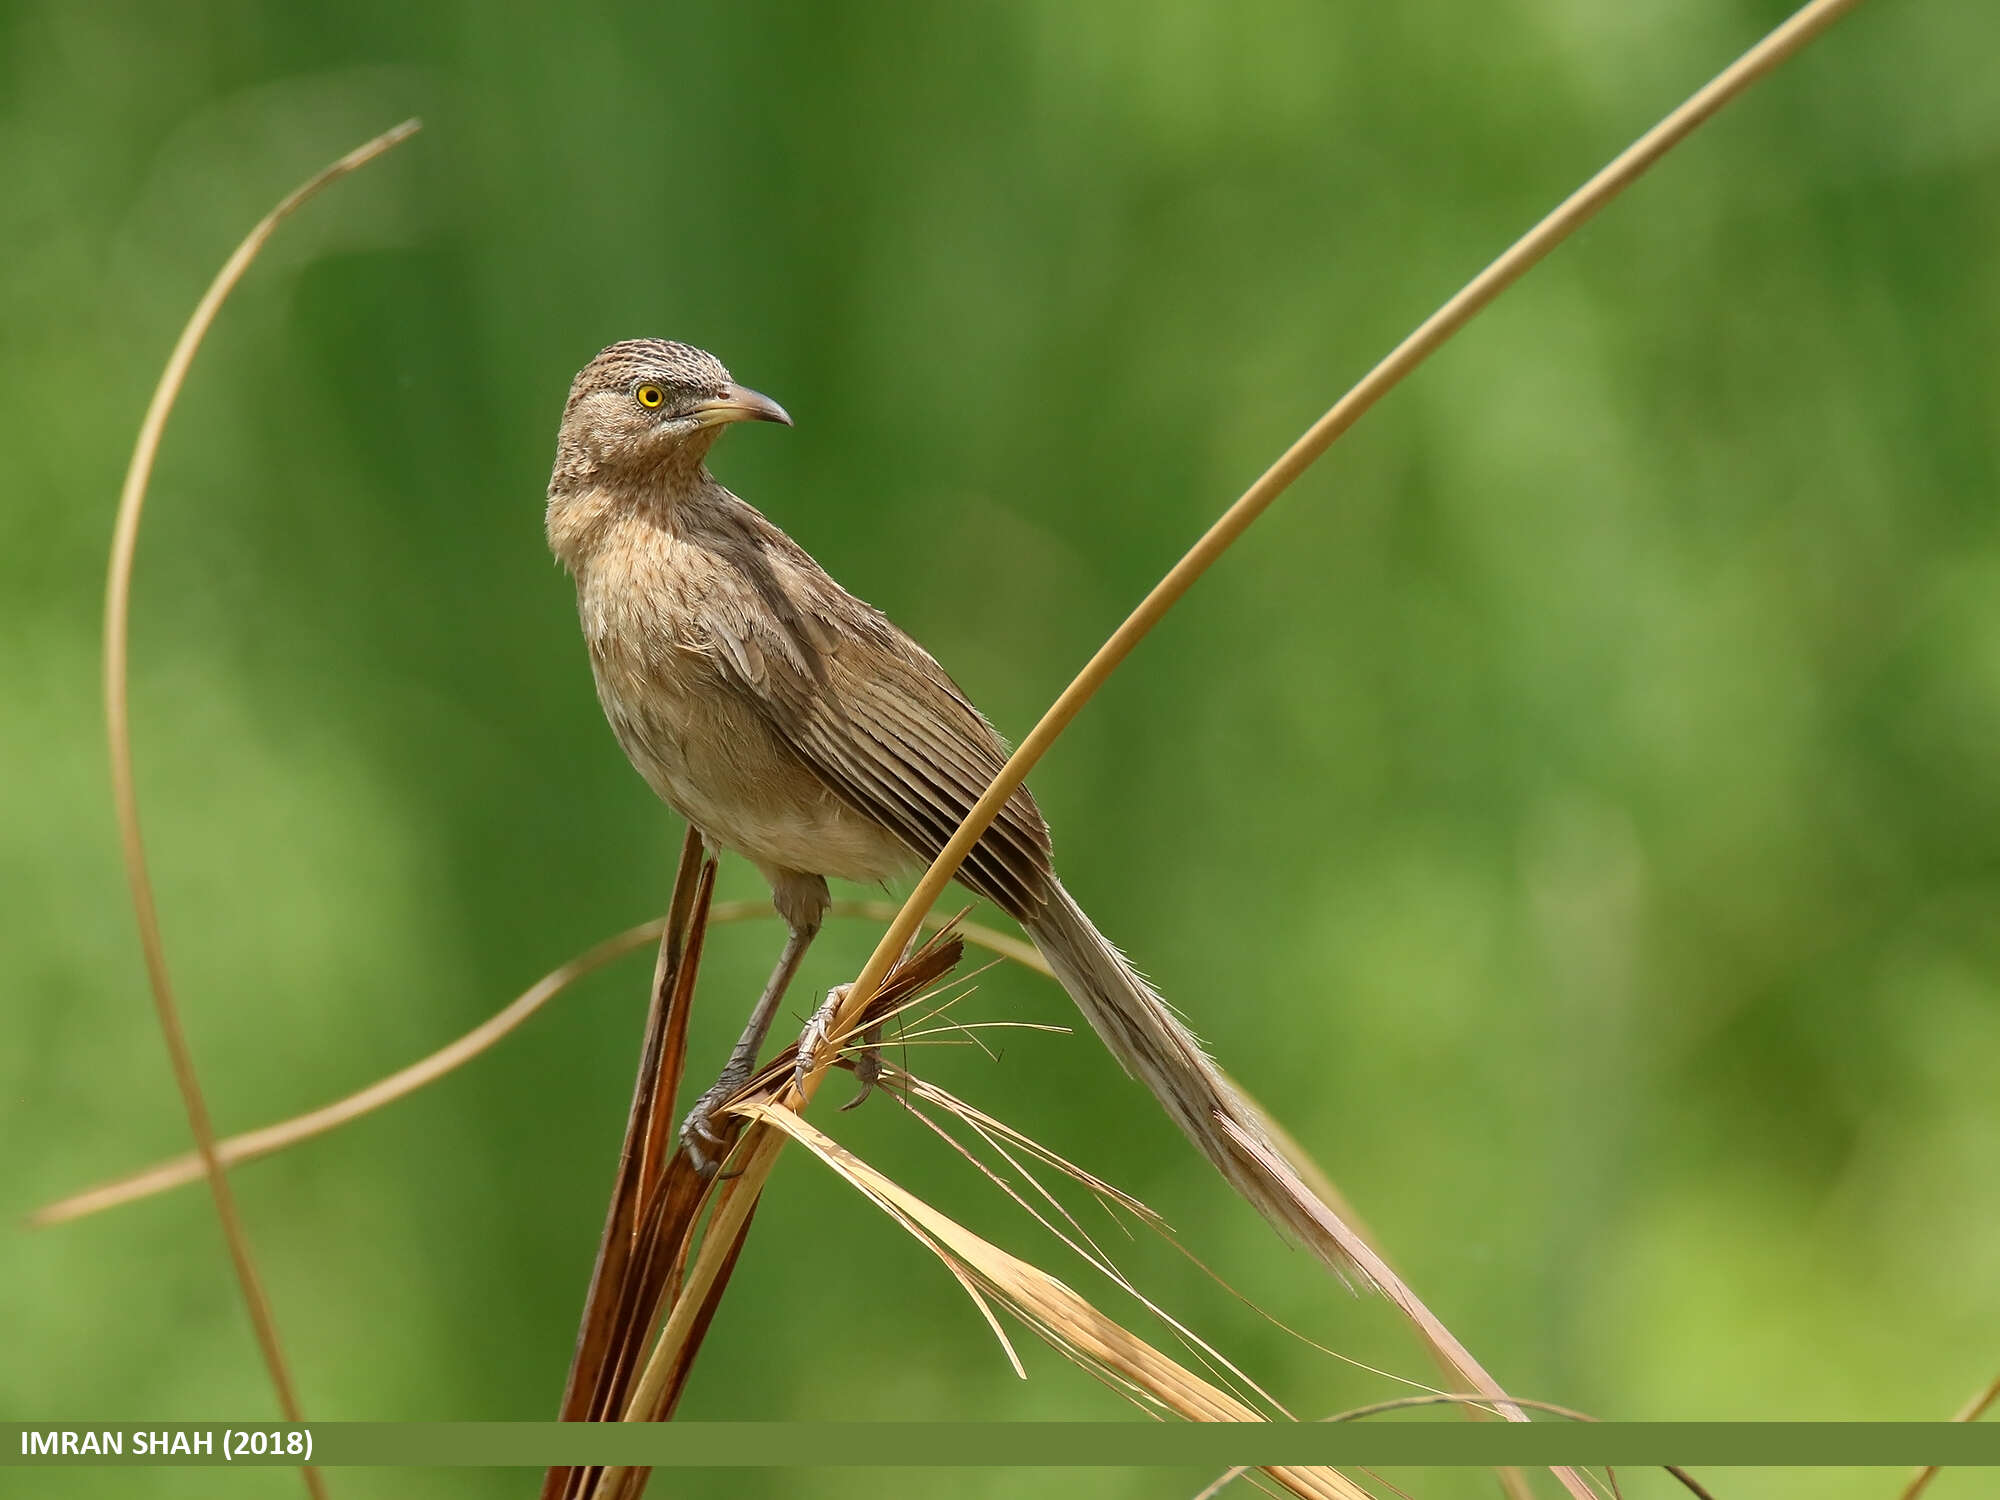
(865, 707)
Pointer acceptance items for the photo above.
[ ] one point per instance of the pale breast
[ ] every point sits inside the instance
(703, 746)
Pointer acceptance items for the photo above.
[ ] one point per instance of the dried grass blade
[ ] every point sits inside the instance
(1080, 1243)
(1050, 1308)
(995, 1131)
(1471, 1401)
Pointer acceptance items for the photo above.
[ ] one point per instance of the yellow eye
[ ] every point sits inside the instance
(650, 396)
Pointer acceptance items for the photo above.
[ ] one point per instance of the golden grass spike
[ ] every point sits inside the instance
(118, 730)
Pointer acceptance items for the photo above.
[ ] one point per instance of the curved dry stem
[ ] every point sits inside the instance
(262, 1142)
(266, 1140)
(762, 1142)
(117, 619)
(1972, 1411)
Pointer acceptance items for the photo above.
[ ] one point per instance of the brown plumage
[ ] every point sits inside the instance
(792, 723)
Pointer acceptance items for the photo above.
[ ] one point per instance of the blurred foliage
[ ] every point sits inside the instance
(1575, 810)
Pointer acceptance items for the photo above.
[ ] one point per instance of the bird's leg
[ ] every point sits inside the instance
(802, 901)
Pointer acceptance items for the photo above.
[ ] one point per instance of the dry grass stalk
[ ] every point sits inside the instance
(659, 1389)
(1002, 1137)
(125, 797)
(269, 1139)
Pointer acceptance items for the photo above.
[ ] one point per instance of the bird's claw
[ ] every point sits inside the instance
(867, 1067)
(698, 1127)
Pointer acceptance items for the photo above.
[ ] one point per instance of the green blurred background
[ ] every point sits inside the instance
(1575, 809)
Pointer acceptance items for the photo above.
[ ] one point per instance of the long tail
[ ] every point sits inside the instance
(1151, 1043)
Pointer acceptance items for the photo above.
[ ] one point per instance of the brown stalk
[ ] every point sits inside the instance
(117, 626)
(763, 1143)
(629, 1272)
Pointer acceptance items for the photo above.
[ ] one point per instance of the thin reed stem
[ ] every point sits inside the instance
(1431, 335)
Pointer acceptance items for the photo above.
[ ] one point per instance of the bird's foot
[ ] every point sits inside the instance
(701, 1129)
(818, 1033)
(867, 1065)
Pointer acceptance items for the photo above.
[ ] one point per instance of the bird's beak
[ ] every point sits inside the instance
(739, 404)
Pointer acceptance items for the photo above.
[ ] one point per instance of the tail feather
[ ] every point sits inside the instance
(1152, 1045)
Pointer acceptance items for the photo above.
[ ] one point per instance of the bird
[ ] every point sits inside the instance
(796, 726)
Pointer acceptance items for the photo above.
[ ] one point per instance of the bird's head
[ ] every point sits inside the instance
(648, 404)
